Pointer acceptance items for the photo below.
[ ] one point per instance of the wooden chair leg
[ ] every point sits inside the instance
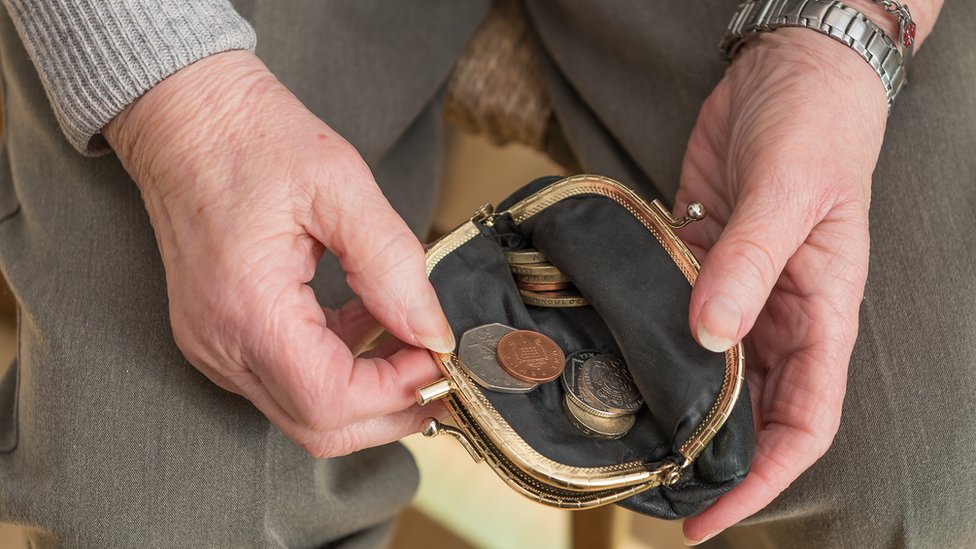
(600, 528)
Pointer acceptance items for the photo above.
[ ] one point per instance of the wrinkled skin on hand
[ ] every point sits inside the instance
(245, 189)
(782, 154)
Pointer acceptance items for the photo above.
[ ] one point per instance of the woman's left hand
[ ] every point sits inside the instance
(782, 155)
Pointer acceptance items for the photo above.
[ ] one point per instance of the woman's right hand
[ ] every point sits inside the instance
(245, 189)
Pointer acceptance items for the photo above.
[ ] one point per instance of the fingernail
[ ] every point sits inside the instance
(718, 324)
(691, 542)
(431, 329)
(437, 344)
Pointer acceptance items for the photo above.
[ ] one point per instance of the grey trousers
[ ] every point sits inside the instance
(109, 438)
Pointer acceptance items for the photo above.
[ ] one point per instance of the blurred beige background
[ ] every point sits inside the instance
(461, 504)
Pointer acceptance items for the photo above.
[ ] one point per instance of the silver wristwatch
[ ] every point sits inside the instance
(837, 21)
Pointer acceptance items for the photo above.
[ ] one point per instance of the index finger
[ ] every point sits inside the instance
(310, 373)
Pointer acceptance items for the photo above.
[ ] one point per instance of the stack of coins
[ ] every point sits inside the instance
(540, 282)
(601, 398)
(503, 359)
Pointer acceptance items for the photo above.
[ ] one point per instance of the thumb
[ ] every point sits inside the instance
(743, 266)
(384, 263)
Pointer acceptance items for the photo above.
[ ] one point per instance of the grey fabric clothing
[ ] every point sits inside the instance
(109, 437)
(900, 472)
(95, 57)
(114, 440)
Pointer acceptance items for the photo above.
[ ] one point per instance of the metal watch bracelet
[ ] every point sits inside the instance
(833, 19)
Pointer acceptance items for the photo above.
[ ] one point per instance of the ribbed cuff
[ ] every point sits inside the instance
(95, 57)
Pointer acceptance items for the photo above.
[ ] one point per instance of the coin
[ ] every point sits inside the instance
(606, 381)
(522, 257)
(536, 269)
(554, 299)
(543, 287)
(530, 356)
(477, 353)
(541, 278)
(595, 426)
(570, 382)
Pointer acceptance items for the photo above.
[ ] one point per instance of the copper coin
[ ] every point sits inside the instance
(543, 287)
(530, 356)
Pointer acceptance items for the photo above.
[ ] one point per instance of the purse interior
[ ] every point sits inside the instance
(639, 310)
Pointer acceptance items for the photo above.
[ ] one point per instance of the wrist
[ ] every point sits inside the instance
(886, 52)
(190, 112)
(796, 54)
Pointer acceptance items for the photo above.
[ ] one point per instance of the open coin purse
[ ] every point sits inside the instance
(691, 440)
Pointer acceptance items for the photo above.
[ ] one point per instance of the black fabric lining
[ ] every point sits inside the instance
(639, 310)
(475, 287)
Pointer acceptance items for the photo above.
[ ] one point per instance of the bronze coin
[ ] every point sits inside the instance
(530, 356)
(524, 257)
(543, 287)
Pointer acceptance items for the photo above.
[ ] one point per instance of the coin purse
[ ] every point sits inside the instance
(693, 438)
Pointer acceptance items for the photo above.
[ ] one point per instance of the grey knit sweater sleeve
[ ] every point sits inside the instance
(95, 57)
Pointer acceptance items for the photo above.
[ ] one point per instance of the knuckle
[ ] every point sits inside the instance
(321, 405)
(315, 415)
(397, 252)
(334, 444)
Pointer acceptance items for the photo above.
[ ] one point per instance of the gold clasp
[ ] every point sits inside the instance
(670, 472)
(694, 212)
(484, 215)
(434, 390)
(431, 428)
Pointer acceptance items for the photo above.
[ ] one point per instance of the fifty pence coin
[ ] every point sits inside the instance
(477, 352)
(530, 356)
(595, 426)
(553, 299)
(571, 384)
(523, 257)
(605, 380)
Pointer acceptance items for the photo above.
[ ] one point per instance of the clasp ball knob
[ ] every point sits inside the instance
(696, 211)
(430, 427)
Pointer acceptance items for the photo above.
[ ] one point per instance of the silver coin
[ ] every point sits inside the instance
(478, 354)
(595, 426)
(607, 382)
(571, 384)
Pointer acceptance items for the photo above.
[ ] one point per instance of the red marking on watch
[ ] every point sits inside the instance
(908, 37)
